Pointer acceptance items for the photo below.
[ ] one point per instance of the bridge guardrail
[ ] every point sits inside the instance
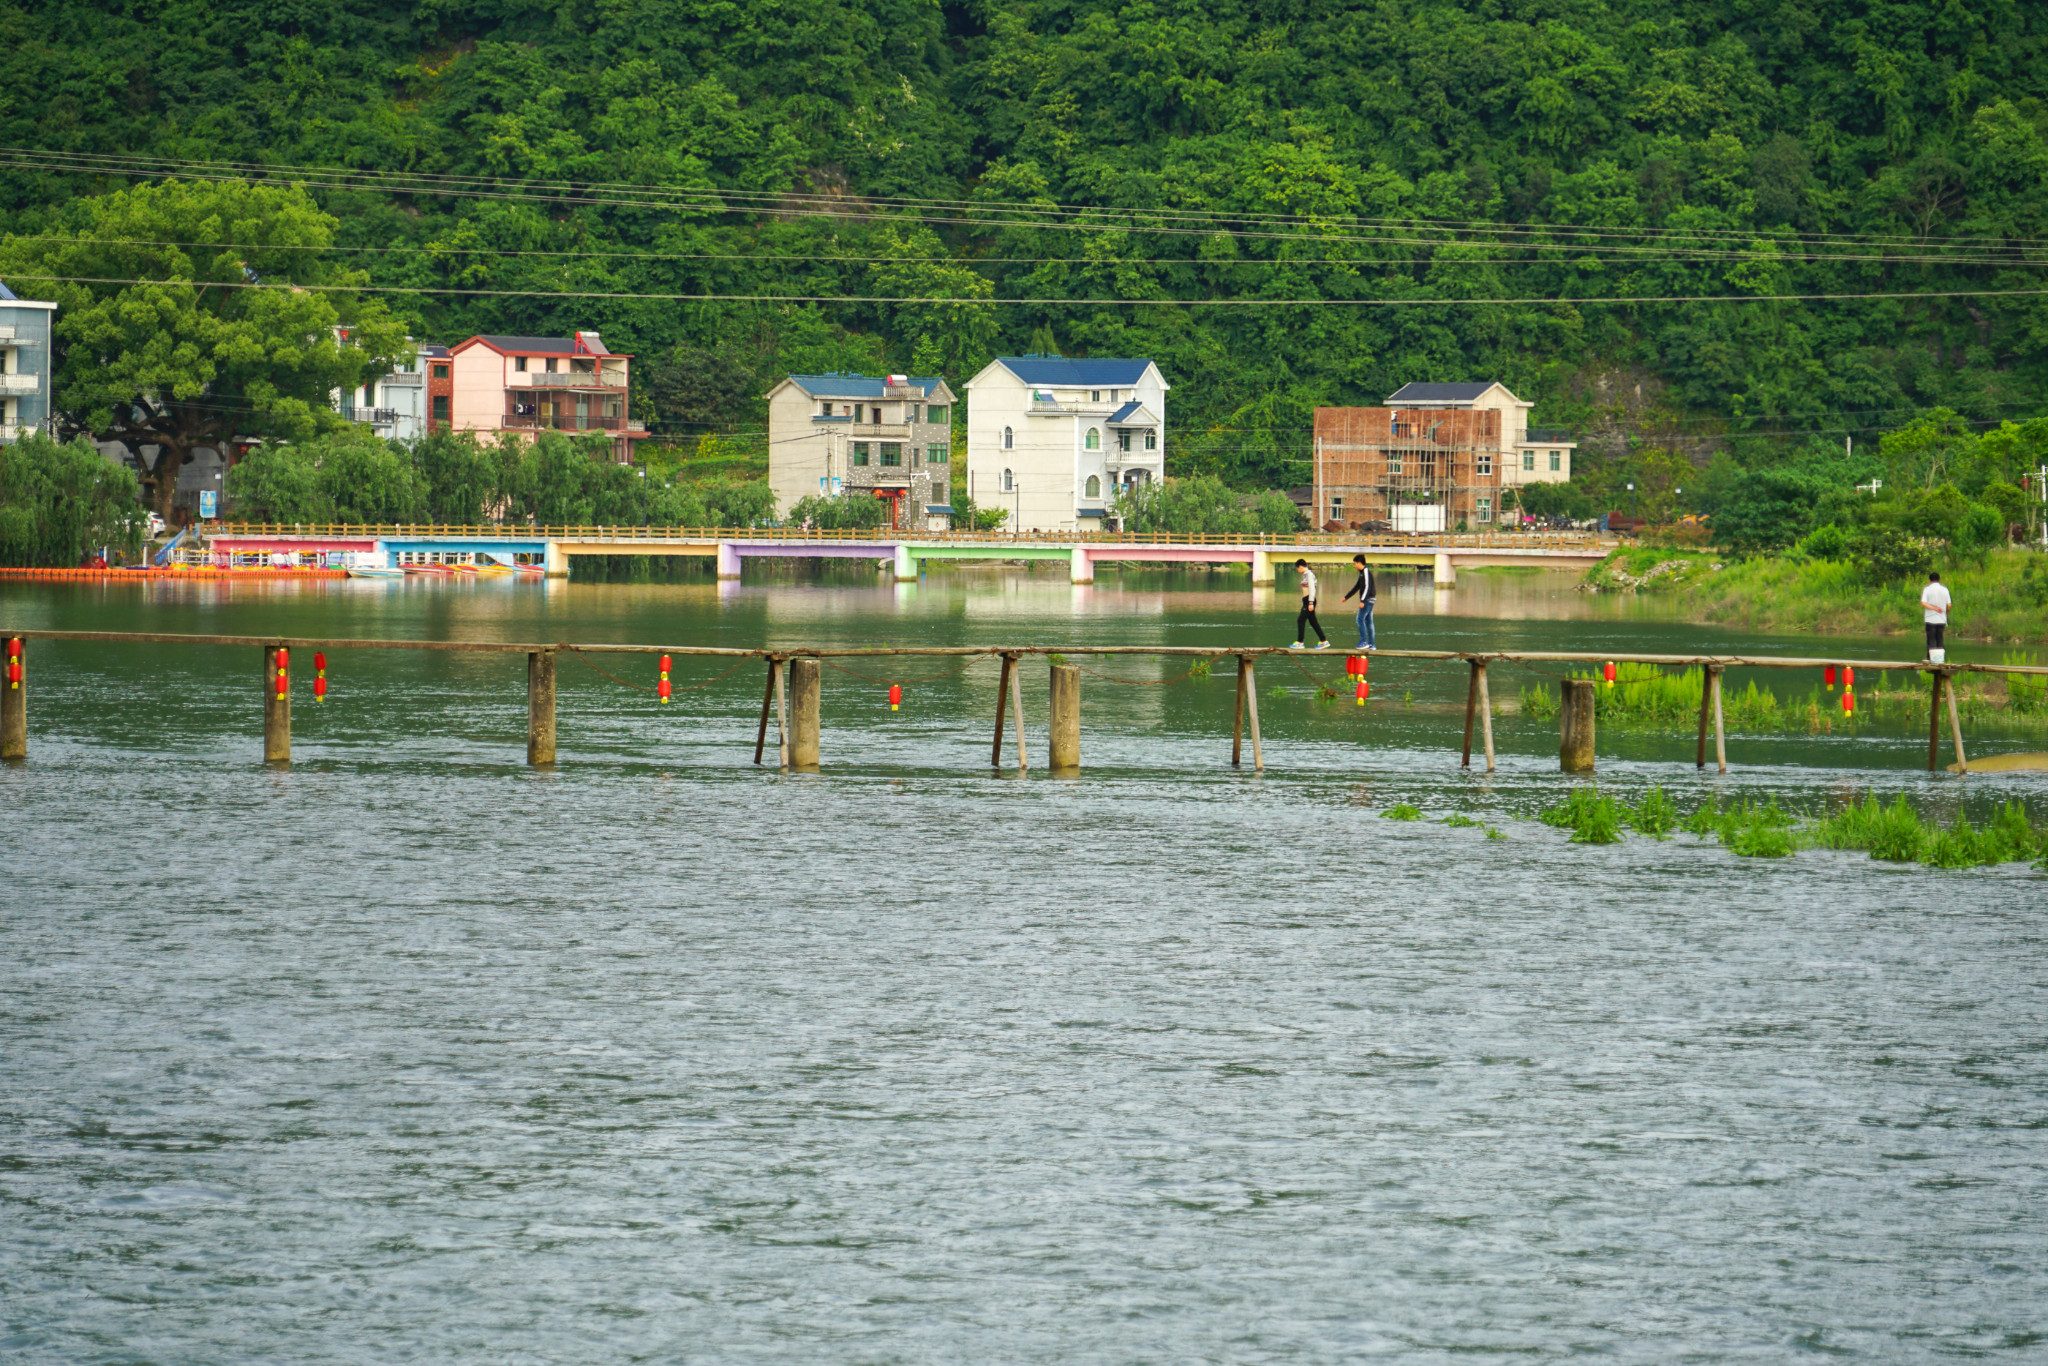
(1308, 540)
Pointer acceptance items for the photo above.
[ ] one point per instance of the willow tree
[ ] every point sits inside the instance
(200, 315)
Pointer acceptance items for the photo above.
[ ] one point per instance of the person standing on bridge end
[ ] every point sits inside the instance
(1307, 617)
(1934, 601)
(1367, 588)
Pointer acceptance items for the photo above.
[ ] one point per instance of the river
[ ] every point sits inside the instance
(411, 1053)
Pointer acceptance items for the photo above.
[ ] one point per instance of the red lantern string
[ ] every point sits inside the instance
(663, 689)
(319, 676)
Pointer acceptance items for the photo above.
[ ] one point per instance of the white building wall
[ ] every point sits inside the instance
(800, 450)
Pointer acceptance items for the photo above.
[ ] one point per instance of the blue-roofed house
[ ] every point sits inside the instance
(1051, 439)
(864, 436)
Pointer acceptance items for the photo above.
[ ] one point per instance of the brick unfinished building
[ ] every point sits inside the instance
(1411, 469)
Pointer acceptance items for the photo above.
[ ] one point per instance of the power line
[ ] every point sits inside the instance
(716, 200)
(1501, 302)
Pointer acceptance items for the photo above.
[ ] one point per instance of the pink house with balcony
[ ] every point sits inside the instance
(524, 385)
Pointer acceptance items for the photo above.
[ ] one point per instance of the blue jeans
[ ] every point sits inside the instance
(1365, 624)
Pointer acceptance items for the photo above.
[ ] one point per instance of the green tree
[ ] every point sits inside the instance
(59, 503)
(193, 314)
(278, 483)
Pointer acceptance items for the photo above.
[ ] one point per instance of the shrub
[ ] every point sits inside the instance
(838, 514)
(1828, 542)
(59, 503)
(1539, 703)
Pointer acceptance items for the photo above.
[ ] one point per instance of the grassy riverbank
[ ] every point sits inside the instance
(2001, 596)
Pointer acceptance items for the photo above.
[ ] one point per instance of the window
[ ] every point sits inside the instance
(825, 409)
(916, 413)
(1093, 488)
(1393, 462)
(892, 452)
(551, 365)
(1483, 464)
(860, 452)
(440, 372)
(935, 455)
(1093, 441)
(876, 419)
(440, 409)
(1009, 439)
(1556, 460)
(1151, 440)
(1009, 482)
(1337, 506)
(519, 364)
(1529, 460)
(1123, 441)
(370, 394)
(1095, 396)
(583, 367)
(938, 412)
(1485, 509)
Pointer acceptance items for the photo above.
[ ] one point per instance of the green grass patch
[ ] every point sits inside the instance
(1592, 818)
(1460, 821)
(1656, 815)
(1402, 811)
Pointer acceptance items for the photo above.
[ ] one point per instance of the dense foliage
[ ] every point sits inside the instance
(175, 327)
(60, 504)
(554, 480)
(1538, 158)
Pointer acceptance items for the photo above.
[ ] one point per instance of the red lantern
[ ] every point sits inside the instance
(895, 696)
(283, 680)
(1364, 688)
(284, 657)
(1828, 676)
(1848, 702)
(13, 647)
(1607, 672)
(663, 689)
(1848, 677)
(1351, 664)
(319, 676)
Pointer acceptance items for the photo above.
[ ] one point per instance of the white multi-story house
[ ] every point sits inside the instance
(394, 405)
(865, 436)
(1529, 455)
(24, 364)
(1050, 440)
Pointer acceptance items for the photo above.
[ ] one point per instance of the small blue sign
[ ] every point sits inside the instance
(208, 501)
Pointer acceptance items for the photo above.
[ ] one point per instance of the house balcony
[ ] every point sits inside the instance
(376, 417)
(571, 422)
(21, 384)
(1055, 406)
(573, 379)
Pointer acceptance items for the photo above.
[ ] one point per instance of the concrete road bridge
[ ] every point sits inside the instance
(552, 548)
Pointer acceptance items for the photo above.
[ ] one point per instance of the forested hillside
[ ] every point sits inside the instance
(1182, 161)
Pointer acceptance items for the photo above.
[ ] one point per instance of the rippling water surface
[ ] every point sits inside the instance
(409, 1053)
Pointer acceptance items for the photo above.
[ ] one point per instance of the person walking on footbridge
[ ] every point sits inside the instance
(1366, 589)
(1307, 617)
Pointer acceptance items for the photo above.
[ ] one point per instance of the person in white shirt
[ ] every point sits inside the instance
(1307, 617)
(1934, 606)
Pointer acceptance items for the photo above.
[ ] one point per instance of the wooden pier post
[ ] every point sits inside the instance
(1720, 729)
(277, 711)
(767, 704)
(995, 754)
(804, 685)
(540, 708)
(1471, 712)
(1486, 717)
(1575, 727)
(1706, 706)
(1017, 707)
(1065, 712)
(1955, 728)
(14, 703)
(1934, 724)
(1247, 704)
(782, 713)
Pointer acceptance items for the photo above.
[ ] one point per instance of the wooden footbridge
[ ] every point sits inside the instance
(793, 685)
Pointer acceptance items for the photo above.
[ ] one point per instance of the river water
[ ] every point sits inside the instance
(409, 1053)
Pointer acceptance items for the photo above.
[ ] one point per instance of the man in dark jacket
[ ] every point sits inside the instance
(1367, 588)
